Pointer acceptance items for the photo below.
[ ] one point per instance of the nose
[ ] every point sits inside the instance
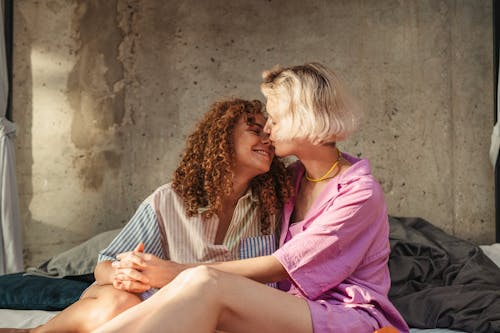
(267, 127)
(264, 137)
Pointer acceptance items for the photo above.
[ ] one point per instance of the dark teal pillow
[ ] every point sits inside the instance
(29, 292)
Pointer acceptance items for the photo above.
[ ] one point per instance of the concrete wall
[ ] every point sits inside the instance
(106, 91)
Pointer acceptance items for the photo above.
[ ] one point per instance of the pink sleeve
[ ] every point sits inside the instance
(336, 242)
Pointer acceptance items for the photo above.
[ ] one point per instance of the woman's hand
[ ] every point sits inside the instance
(106, 274)
(137, 271)
(130, 280)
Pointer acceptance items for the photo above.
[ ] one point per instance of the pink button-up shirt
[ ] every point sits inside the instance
(339, 252)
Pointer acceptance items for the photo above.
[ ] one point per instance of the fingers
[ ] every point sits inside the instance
(133, 258)
(128, 264)
(128, 274)
(131, 286)
(139, 247)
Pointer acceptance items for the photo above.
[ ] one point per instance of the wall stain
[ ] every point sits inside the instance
(92, 168)
(95, 90)
(54, 6)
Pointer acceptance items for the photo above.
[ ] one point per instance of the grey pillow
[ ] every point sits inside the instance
(78, 260)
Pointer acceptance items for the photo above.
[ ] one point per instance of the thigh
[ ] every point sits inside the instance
(250, 307)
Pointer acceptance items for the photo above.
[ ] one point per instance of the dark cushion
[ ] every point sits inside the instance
(25, 292)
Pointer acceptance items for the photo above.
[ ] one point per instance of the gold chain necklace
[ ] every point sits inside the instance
(325, 176)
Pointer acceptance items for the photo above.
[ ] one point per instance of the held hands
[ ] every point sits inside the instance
(136, 271)
(127, 278)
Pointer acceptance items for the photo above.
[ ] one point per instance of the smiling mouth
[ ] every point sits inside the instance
(263, 152)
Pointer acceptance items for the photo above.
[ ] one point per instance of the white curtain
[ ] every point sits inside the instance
(495, 143)
(495, 135)
(11, 247)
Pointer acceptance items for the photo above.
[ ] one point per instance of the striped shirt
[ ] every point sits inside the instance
(162, 225)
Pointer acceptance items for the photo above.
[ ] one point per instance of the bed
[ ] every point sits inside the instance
(426, 265)
(30, 299)
(493, 252)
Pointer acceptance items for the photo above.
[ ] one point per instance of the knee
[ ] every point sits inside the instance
(114, 301)
(120, 301)
(200, 277)
(123, 300)
(106, 303)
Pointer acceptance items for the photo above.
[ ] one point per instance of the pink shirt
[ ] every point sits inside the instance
(339, 252)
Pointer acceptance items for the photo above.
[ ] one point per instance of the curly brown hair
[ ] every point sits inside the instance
(205, 173)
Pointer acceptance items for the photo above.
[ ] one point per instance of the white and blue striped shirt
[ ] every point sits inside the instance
(162, 225)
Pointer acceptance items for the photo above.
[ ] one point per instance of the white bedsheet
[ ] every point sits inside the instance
(24, 318)
(33, 318)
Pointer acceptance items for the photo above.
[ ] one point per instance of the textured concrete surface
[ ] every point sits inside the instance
(105, 93)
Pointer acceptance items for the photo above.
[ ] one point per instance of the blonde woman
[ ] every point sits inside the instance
(334, 247)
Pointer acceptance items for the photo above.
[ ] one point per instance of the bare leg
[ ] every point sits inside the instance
(98, 305)
(204, 300)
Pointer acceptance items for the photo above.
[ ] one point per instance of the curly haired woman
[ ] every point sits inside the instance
(222, 205)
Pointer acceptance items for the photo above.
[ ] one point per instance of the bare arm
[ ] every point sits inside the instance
(144, 266)
(104, 273)
(264, 269)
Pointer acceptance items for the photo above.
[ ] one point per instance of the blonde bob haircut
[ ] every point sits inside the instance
(311, 103)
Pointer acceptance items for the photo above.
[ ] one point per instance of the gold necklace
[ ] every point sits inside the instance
(325, 176)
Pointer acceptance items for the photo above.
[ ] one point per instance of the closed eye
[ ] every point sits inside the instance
(257, 132)
(256, 129)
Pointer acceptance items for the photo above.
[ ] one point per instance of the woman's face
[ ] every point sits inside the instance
(253, 150)
(276, 127)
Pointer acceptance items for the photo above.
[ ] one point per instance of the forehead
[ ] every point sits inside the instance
(258, 118)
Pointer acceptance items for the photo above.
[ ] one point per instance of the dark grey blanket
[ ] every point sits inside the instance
(440, 281)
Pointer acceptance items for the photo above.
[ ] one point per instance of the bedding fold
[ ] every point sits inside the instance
(440, 281)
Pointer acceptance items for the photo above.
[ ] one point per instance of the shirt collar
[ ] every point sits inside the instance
(249, 195)
(359, 167)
